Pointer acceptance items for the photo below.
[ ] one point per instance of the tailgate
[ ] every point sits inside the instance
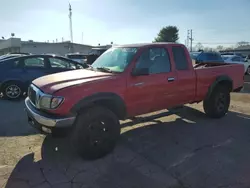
(205, 76)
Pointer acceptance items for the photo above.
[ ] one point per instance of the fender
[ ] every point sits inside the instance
(220, 79)
(111, 100)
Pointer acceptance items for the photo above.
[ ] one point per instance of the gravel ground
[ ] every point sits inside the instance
(181, 149)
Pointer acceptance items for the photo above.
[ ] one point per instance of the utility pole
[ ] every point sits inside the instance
(187, 40)
(191, 40)
(70, 23)
(82, 37)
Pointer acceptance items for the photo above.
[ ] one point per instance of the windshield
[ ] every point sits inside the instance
(115, 59)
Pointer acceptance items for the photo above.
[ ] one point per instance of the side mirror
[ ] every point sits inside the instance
(140, 72)
(79, 67)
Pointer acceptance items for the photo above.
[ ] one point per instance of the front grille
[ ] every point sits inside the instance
(32, 95)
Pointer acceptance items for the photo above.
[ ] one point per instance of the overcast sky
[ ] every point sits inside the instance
(126, 21)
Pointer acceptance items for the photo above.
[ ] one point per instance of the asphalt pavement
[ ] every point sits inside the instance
(180, 149)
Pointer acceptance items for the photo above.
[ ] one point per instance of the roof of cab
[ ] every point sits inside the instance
(144, 44)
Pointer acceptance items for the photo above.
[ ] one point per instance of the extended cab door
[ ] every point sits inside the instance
(186, 79)
(152, 90)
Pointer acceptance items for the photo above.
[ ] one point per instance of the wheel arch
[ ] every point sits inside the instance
(112, 101)
(221, 80)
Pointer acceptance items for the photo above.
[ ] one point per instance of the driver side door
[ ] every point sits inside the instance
(154, 91)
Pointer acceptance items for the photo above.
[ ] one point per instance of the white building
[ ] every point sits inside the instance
(12, 45)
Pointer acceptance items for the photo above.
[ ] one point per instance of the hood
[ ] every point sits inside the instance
(54, 82)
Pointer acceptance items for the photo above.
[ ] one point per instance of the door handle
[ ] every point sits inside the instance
(139, 84)
(171, 79)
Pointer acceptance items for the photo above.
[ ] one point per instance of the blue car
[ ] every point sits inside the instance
(17, 73)
(200, 57)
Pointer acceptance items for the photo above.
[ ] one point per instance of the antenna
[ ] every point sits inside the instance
(70, 23)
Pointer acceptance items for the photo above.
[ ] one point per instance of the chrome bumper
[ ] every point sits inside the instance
(46, 120)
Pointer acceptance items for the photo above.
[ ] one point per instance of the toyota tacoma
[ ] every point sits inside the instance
(126, 81)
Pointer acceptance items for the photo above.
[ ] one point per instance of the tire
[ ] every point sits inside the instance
(217, 105)
(12, 90)
(95, 133)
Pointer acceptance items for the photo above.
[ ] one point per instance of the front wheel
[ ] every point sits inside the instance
(12, 90)
(217, 104)
(95, 132)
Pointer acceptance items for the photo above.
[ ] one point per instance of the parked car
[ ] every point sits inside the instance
(17, 73)
(209, 57)
(233, 53)
(239, 60)
(194, 55)
(124, 82)
(80, 58)
(94, 54)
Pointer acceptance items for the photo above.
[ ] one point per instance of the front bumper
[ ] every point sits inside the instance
(45, 122)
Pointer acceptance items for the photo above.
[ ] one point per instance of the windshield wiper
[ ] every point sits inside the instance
(105, 69)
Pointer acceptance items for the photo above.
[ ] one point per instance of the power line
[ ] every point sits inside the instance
(218, 42)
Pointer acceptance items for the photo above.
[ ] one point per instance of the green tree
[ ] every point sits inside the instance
(168, 34)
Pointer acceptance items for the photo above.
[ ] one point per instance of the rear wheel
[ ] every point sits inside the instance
(217, 104)
(12, 90)
(95, 133)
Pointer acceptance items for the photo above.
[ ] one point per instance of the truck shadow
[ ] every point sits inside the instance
(183, 150)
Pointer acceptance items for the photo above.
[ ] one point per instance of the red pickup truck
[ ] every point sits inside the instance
(127, 81)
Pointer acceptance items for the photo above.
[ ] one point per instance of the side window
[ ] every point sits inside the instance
(34, 62)
(156, 60)
(211, 57)
(180, 58)
(218, 57)
(59, 63)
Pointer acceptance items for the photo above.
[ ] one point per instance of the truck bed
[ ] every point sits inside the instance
(207, 73)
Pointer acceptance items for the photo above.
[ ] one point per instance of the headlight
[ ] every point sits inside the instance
(55, 102)
(50, 102)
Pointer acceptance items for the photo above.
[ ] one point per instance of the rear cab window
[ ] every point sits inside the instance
(180, 58)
